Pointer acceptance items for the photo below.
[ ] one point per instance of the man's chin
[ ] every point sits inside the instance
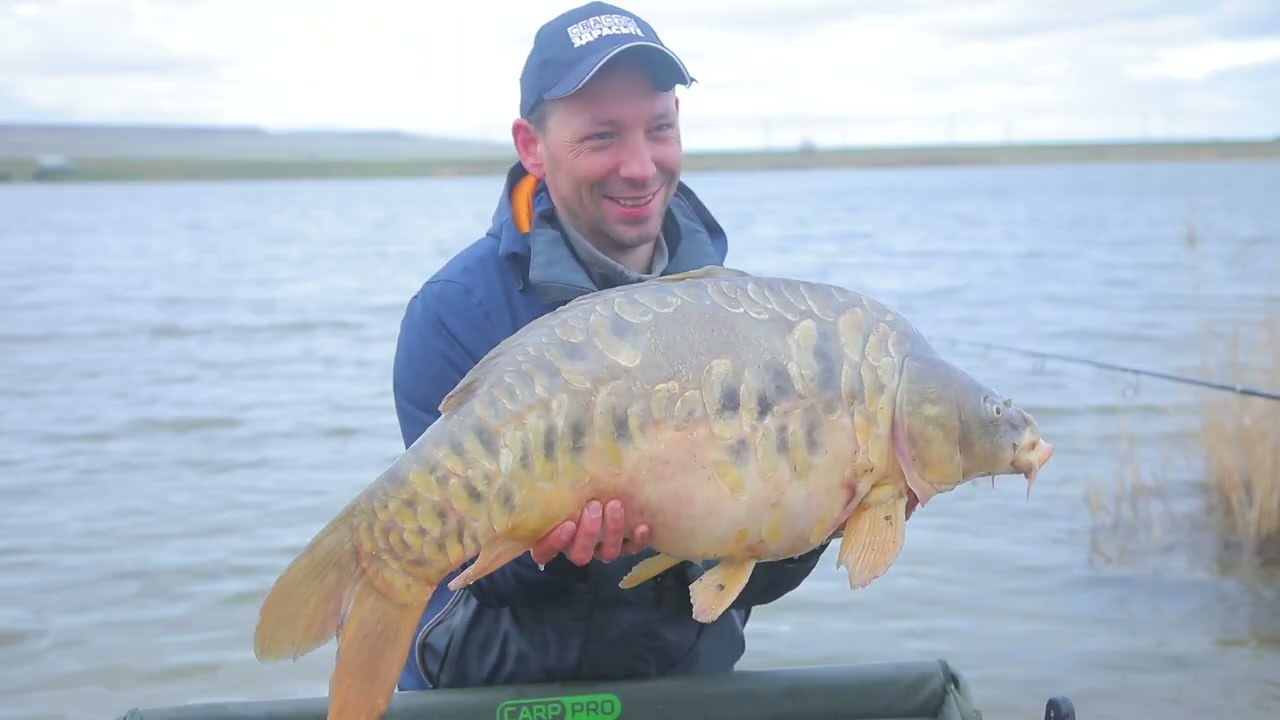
(632, 238)
(633, 232)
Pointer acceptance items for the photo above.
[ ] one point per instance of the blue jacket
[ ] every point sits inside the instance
(520, 623)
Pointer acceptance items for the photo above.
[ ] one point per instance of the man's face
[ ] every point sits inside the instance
(610, 155)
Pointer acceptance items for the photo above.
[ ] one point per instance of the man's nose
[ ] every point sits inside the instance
(637, 163)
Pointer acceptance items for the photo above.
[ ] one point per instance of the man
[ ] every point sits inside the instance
(595, 201)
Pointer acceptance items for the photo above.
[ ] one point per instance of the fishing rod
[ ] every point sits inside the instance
(1227, 387)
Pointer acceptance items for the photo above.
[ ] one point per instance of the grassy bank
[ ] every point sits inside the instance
(23, 169)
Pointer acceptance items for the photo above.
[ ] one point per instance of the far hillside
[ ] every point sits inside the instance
(89, 153)
(232, 143)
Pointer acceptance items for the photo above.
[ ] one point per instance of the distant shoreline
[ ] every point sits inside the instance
(117, 169)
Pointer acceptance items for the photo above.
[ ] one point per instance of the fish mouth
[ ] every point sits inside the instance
(1031, 459)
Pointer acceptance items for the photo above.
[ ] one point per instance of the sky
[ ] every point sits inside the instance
(770, 73)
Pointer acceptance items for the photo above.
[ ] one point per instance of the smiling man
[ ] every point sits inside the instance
(595, 201)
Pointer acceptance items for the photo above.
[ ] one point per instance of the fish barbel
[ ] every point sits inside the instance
(743, 418)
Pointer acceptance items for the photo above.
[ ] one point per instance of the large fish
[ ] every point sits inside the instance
(743, 418)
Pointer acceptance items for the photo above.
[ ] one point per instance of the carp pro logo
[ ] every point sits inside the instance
(604, 706)
(611, 24)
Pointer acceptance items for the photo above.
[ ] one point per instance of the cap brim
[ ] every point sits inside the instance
(573, 81)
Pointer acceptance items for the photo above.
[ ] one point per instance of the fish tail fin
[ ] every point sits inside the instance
(306, 605)
(373, 642)
(328, 592)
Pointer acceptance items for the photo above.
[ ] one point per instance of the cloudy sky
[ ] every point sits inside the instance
(769, 71)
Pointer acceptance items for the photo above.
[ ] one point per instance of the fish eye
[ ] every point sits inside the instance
(997, 409)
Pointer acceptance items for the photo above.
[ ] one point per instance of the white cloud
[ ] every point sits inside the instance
(1197, 62)
(864, 72)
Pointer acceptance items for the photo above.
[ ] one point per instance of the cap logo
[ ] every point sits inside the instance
(610, 24)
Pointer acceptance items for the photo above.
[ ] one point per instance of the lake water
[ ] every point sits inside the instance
(196, 376)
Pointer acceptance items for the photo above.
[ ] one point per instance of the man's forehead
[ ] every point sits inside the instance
(615, 100)
(609, 116)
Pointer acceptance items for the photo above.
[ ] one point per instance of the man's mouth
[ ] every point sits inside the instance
(633, 201)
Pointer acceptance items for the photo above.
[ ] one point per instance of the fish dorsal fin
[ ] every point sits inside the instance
(465, 388)
(706, 271)
(470, 382)
(468, 385)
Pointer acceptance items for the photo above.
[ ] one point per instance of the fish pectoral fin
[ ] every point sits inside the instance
(874, 535)
(648, 569)
(717, 588)
(495, 554)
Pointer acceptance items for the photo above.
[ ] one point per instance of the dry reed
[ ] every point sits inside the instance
(1132, 515)
(1235, 451)
(1240, 438)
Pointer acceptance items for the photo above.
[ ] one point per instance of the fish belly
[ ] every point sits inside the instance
(703, 499)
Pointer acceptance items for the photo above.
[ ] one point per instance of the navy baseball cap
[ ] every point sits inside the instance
(570, 48)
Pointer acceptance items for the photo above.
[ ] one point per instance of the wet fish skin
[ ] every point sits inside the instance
(742, 418)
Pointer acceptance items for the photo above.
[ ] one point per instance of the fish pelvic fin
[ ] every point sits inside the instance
(328, 592)
(874, 534)
(648, 569)
(716, 589)
(494, 555)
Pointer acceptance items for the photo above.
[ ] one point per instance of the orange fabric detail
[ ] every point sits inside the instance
(522, 202)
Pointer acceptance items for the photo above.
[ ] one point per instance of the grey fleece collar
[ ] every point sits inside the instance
(557, 275)
(603, 270)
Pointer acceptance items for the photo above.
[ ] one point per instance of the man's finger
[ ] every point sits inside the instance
(641, 538)
(584, 543)
(637, 542)
(553, 543)
(611, 537)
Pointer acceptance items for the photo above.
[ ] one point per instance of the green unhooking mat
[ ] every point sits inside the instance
(904, 691)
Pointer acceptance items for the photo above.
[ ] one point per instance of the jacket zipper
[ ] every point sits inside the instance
(422, 635)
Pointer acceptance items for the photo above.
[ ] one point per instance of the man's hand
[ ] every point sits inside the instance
(600, 533)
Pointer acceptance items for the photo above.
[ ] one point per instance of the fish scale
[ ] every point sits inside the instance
(743, 419)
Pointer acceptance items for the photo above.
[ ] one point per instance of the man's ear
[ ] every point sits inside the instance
(528, 147)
